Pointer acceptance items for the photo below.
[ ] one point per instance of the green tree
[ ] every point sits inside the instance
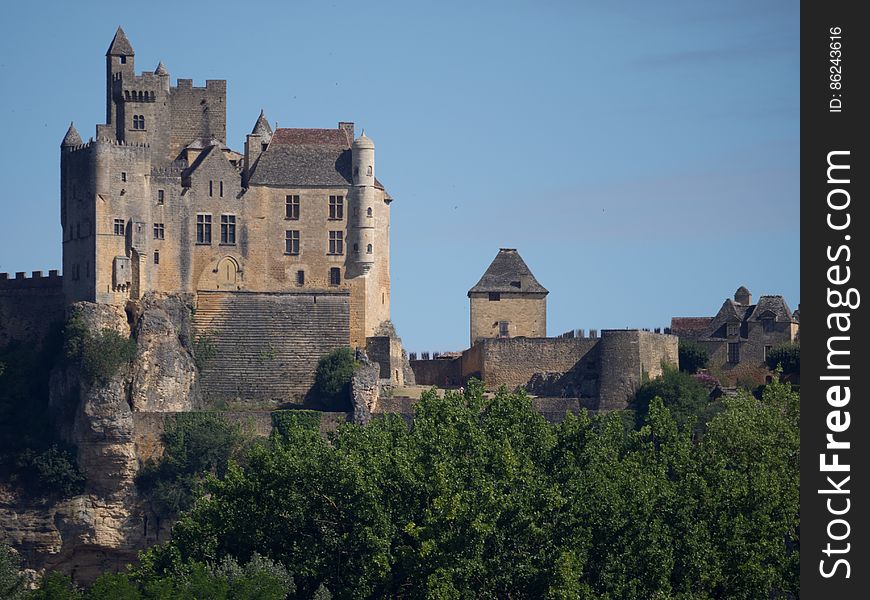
(684, 396)
(786, 356)
(332, 378)
(693, 356)
(13, 585)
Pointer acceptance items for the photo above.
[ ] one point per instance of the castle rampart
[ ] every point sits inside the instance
(30, 306)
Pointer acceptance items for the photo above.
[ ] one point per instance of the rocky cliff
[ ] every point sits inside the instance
(105, 527)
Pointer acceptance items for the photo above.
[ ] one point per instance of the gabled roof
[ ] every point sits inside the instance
(72, 137)
(213, 151)
(120, 45)
(772, 307)
(508, 273)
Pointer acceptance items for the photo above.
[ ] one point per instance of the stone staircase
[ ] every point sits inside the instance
(266, 346)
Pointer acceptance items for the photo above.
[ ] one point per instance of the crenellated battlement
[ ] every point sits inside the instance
(21, 280)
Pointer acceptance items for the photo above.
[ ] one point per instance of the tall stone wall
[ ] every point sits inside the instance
(440, 372)
(266, 346)
(197, 112)
(30, 306)
(625, 356)
(513, 361)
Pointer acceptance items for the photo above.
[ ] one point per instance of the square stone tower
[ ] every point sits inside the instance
(508, 301)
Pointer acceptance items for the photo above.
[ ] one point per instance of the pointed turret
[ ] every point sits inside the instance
(120, 45)
(72, 137)
(161, 69)
(262, 127)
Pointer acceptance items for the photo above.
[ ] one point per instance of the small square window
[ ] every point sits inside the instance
(494, 296)
(122, 60)
(300, 277)
(503, 329)
(158, 231)
(334, 276)
(118, 226)
(123, 176)
(160, 196)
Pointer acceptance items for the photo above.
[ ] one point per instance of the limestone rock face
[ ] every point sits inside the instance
(164, 375)
(105, 527)
(365, 392)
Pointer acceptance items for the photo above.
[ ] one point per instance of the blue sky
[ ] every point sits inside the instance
(643, 157)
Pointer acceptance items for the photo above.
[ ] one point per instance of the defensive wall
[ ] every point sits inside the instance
(263, 346)
(30, 306)
(603, 371)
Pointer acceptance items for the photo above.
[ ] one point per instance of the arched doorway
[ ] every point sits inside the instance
(227, 272)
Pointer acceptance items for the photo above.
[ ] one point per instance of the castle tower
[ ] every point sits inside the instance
(363, 220)
(119, 65)
(257, 142)
(508, 301)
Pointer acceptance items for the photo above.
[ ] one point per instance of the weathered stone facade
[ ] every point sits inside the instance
(741, 334)
(157, 202)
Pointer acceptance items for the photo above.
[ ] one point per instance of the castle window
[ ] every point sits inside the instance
(767, 350)
(228, 229)
(369, 212)
(494, 296)
(767, 325)
(732, 329)
(203, 229)
(503, 329)
(336, 208)
(210, 188)
(118, 227)
(291, 207)
(138, 122)
(291, 242)
(221, 185)
(122, 60)
(160, 197)
(334, 276)
(336, 242)
(369, 170)
(156, 257)
(369, 249)
(300, 277)
(264, 145)
(734, 353)
(158, 231)
(356, 248)
(124, 176)
(515, 284)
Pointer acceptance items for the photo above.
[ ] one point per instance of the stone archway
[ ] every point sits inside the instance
(227, 273)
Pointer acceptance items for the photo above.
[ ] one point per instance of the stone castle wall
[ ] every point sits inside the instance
(265, 345)
(526, 316)
(30, 306)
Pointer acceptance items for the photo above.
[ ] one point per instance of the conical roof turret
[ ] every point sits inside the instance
(161, 69)
(262, 127)
(363, 141)
(72, 137)
(120, 45)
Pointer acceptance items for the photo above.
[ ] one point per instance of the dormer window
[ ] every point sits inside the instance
(732, 329)
(515, 284)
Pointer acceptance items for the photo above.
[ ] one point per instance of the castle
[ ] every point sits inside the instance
(283, 248)
(157, 202)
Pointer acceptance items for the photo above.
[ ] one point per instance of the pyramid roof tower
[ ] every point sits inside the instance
(508, 273)
(120, 45)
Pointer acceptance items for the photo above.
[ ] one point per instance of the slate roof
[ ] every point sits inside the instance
(506, 270)
(72, 137)
(306, 157)
(161, 69)
(262, 127)
(772, 306)
(690, 327)
(120, 45)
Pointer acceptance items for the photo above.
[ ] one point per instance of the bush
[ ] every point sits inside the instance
(786, 356)
(100, 354)
(693, 356)
(682, 394)
(51, 472)
(196, 444)
(284, 420)
(204, 349)
(332, 379)
(13, 585)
